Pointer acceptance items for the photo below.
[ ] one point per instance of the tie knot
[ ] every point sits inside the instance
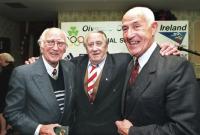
(54, 72)
(136, 62)
(93, 67)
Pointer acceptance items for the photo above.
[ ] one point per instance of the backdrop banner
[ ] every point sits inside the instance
(175, 32)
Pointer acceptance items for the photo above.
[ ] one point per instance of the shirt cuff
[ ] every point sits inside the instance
(37, 131)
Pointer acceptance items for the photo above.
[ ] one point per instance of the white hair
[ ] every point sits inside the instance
(142, 11)
(44, 33)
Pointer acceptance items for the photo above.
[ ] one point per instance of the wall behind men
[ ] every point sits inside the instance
(10, 29)
(192, 16)
(194, 32)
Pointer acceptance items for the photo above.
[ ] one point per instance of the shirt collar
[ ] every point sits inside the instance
(49, 68)
(142, 60)
(99, 66)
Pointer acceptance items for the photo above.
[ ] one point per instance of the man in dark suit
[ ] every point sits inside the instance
(99, 108)
(96, 116)
(41, 93)
(164, 98)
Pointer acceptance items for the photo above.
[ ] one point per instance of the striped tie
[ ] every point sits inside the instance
(92, 77)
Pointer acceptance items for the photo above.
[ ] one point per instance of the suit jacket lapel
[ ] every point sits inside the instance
(83, 69)
(143, 80)
(105, 78)
(41, 78)
(141, 83)
(81, 65)
(128, 73)
(68, 87)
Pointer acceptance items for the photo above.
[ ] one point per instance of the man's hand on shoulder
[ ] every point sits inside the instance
(31, 60)
(169, 49)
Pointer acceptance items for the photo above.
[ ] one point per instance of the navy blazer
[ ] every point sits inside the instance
(164, 100)
(99, 118)
(31, 100)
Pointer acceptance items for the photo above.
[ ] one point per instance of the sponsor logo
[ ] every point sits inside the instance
(175, 36)
(174, 32)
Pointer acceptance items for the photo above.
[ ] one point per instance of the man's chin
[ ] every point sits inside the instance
(55, 61)
(94, 61)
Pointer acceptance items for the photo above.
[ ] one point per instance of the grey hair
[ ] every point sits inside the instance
(100, 32)
(44, 33)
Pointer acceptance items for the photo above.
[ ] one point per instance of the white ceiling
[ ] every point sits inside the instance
(42, 10)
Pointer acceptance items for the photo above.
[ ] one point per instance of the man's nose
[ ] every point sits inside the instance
(94, 47)
(55, 47)
(131, 33)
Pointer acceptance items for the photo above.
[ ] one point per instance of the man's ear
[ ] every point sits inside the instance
(41, 50)
(154, 27)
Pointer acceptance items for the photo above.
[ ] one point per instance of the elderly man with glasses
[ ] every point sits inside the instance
(41, 93)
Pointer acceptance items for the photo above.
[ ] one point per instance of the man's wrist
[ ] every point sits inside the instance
(37, 131)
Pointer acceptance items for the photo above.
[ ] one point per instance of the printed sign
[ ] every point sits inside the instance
(175, 32)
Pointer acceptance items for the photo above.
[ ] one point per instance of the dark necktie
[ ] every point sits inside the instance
(134, 72)
(54, 73)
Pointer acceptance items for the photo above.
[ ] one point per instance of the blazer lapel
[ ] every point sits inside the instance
(41, 79)
(105, 79)
(128, 73)
(142, 81)
(83, 69)
(68, 87)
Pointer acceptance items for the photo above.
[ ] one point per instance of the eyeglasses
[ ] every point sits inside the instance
(51, 43)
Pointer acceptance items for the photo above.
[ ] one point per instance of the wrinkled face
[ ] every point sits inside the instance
(96, 47)
(138, 35)
(53, 47)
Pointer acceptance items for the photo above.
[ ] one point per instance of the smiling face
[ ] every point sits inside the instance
(53, 46)
(96, 46)
(138, 32)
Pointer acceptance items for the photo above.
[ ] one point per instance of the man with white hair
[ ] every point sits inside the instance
(40, 94)
(160, 95)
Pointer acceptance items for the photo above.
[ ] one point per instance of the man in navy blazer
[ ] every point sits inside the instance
(39, 101)
(98, 117)
(164, 98)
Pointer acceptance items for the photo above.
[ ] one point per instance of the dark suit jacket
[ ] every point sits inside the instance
(31, 100)
(164, 99)
(99, 118)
